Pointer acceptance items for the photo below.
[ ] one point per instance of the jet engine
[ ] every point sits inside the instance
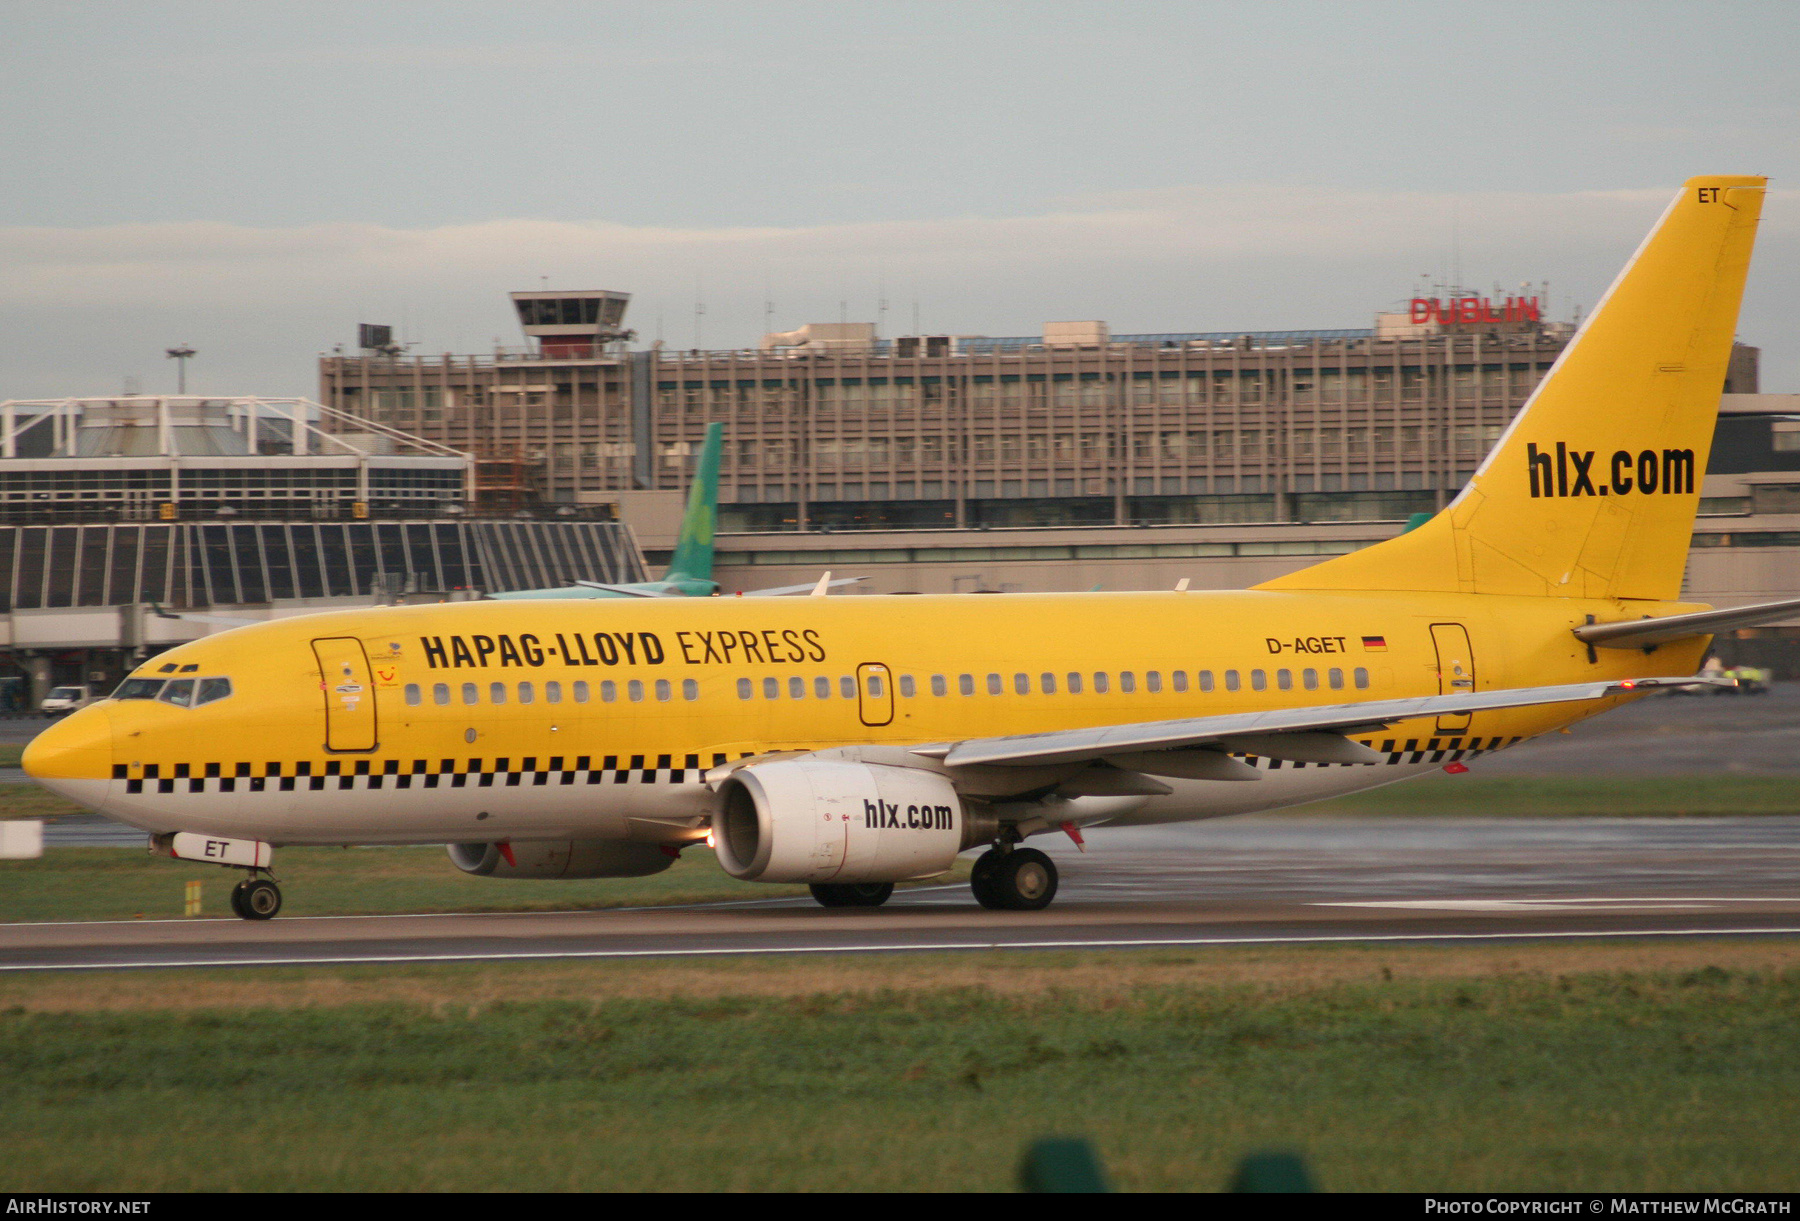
(561, 858)
(823, 821)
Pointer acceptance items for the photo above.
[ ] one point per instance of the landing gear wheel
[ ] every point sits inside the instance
(852, 894)
(981, 878)
(261, 899)
(237, 901)
(1023, 880)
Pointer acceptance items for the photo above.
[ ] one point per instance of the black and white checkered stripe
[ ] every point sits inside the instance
(370, 774)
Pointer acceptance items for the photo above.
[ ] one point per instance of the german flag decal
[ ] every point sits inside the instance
(1374, 644)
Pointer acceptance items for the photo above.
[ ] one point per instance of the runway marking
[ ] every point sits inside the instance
(1543, 905)
(724, 951)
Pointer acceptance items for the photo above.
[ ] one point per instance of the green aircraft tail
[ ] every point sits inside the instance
(694, 547)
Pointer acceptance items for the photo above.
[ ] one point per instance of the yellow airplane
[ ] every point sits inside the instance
(851, 743)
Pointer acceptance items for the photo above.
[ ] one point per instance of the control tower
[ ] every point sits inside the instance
(573, 324)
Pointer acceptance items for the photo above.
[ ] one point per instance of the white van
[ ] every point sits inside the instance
(63, 700)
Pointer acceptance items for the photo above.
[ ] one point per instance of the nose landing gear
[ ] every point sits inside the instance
(1007, 878)
(256, 898)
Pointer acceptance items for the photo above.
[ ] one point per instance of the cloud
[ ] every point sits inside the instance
(1162, 260)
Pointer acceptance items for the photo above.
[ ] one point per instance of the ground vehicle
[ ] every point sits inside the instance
(63, 700)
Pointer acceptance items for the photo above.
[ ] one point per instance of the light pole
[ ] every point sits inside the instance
(180, 356)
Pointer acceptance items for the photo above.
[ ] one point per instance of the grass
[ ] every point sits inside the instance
(1616, 1067)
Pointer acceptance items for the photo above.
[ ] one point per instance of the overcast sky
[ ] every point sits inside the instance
(254, 180)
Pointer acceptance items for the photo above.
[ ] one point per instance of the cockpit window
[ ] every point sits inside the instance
(212, 689)
(180, 692)
(138, 689)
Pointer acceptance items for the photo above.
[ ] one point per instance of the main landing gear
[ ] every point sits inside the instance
(1009, 878)
(256, 898)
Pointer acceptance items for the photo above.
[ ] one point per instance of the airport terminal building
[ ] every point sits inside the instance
(1071, 459)
(119, 516)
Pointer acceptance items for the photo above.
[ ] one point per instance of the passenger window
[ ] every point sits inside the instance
(138, 689)
(1259, 681)
(1127, 682)
(1231, 680)
(965, 683)
(796, 688)
(1074, 684)
(471, 693)
(906, 686)
(664, 691)
(822, 688)
(1362, 679)
(1047, 684)
(1153, 681)
(581, 691)
(496, 693)
(179, 692)
(212, 689)
(414, 696)
(1021, 684)
(939, 686)
(690, 689)
(1309, 678)
(440, 693)
(875, 686)
(847, 686)
(1284, 679)
(771, 688)
(553, 692)
(1100, 682)
(746, 688)
(634, 690)
(527, 693)
(1335, 677)
(993, 684)
(609, 691)
(1178, 679)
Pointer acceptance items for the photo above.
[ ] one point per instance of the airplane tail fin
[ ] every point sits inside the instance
(694, 545)
(1592, 491)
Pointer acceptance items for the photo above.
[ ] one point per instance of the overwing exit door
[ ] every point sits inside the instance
(1456, 670)
(349, 692)
(875, 693)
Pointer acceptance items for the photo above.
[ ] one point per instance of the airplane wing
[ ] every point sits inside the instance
(1641, 633)
(811, 587)
(629, 591)
(1306, 734)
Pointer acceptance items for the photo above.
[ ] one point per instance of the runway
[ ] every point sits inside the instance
(1247, 882)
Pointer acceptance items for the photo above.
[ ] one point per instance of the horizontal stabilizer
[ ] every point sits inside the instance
(1310, 724)
(629, 591)
(1641, 633)
(811, 587)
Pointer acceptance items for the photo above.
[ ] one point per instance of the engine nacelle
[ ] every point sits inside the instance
(561, 858)
(821, 820)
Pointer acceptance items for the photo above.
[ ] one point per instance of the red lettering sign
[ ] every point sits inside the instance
(1473, 311)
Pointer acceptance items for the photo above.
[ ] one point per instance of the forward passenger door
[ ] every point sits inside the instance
(349, 691)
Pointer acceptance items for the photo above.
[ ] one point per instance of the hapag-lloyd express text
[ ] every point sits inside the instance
(765, 646)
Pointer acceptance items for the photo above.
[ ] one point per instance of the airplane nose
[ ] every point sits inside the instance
(78, 747)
